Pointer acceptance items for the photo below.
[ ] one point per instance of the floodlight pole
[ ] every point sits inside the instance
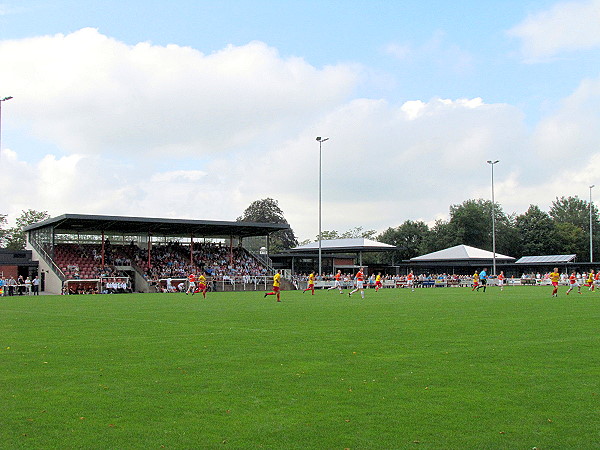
(2, 100)
(492, 163)
(320, 140)
(591, 238)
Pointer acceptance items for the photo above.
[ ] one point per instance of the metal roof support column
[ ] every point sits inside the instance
(191, 250)
(103, 250)
(149, 252)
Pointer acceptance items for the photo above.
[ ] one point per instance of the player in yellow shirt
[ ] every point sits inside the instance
(475, 281)
(276, 290)
(590, 280)
(202, 286)
(378, 284)
(554, 278)
(311, 283)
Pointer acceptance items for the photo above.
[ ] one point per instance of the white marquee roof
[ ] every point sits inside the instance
(461, 252)
(355, 244)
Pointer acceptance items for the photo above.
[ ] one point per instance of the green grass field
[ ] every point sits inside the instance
(434, 368)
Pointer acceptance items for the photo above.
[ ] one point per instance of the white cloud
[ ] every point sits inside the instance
(566, 27)
(245, 121)
(92, 94)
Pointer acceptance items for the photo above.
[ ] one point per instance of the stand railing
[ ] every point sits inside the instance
(47, 258)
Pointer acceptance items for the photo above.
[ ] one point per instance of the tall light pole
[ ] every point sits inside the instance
(591, 239)
(2, 100)
(492, 163)
(321, 140)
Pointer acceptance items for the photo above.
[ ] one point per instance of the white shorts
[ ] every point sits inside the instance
(360, 285)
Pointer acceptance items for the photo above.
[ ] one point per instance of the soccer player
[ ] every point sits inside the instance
(378, 284)
(501, 280)
(337, 284)
(573, 282)
(554, 277)
(590, 280)
(311, 283)
(475, 281)
(202, 286)
(191, 284)
(276, 290)
(482, 279)
(360, 286)
(596, 280)
(410, 281)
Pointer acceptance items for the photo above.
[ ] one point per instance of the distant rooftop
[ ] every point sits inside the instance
(354, 244)
(546, 259)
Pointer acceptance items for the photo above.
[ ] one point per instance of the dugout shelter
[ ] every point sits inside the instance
(44, 239)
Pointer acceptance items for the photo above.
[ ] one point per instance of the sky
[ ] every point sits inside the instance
(195, 109)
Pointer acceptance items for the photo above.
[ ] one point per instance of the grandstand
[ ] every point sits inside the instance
(87, 253)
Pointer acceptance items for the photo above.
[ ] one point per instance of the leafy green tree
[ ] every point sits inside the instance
(327, 235)
(507, 236)
(536, 233)
(570, 238)
(267, 211)
(471, 222)
(15, 236)
(576, 212)
(442, 235)
(357, 232)
(408, 237)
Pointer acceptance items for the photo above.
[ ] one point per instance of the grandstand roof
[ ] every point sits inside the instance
(546, 259)
(461, 252)
(355, 244)
(92, 224)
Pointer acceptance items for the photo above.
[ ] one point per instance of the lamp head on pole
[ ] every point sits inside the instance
(5, 98)
(322, 139)
(593, 185)
(493, 162)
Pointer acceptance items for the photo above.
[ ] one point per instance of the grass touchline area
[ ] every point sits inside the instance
(433, 368)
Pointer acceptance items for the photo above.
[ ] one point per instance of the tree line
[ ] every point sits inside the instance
(564, 229)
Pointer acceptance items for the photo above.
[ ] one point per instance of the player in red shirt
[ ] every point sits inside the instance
(360, 286)
(501, 280)
(410, 281)
(573, 282)
(191, 284)
(338, 282)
